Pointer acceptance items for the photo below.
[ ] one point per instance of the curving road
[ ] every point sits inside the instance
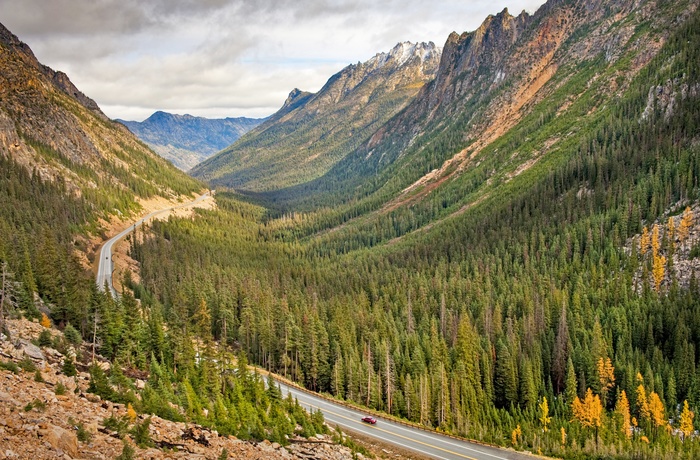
(427, 443)
(104, 268)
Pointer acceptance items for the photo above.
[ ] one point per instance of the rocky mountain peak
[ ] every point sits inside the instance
(404, 52)
(8, 38)
(351, 105)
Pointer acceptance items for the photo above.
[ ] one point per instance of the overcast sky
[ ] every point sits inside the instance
(224, 58)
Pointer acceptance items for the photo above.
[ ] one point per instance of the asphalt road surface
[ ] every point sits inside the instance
(105, 267)
(423, 442)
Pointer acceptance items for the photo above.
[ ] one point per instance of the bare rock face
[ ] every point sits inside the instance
(32, 350)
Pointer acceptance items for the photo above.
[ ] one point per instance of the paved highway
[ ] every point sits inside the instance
(423, 442)
(104, 268)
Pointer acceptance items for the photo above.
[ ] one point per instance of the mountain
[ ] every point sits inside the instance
(186, 140)
(48, 126)
(490, 84)
(312, 132)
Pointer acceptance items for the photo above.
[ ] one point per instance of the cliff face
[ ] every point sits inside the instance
(312, 132)
(473, 57)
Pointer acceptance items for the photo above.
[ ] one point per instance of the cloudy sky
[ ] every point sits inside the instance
(219, 58)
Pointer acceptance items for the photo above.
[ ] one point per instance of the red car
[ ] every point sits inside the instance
(369, 419)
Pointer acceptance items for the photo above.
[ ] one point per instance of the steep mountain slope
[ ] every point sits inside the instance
(311, 133)
(534, 78)
(186, 140)
(65, 169)
(48, 125)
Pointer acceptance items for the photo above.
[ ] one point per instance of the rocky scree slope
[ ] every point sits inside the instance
(186, 140)
(38, 421)
(312, 132)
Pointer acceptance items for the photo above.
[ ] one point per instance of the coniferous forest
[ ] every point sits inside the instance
(540, 311)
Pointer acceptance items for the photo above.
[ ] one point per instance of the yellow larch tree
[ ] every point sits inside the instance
(588, 412)
(622, 407)
(517, 432)
(642, 404)
(130, 412)
(544, 417)
(606, 376)
(656, 410)
(658, 271)
(563, 436)
(685, 225)
(644, 241)
(655, 243)
(687, 417)
(45, 321)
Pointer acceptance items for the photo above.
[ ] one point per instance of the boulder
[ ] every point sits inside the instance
(32, 350)
(62, 439)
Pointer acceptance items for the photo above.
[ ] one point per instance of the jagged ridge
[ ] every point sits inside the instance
(312, 132)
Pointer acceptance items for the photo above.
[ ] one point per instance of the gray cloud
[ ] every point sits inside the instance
(223, 57)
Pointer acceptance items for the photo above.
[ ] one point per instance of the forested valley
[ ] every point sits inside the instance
(548, 316)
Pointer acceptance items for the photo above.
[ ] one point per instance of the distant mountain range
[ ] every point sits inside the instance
(186, 140)
(312, 132)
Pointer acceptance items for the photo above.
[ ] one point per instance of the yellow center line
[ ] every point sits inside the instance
(398, 435)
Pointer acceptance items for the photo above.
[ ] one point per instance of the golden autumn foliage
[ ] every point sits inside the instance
(687, 417)
(517, 432)
(622, 407)
(655, 243)
(544, 411)
(588, 412)
(45, 321)
(563, 436)
(606, 374)
(685, 225)
(659, 271)
(644, 241)
(642, 404)
(130, 412)
(656, 410)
